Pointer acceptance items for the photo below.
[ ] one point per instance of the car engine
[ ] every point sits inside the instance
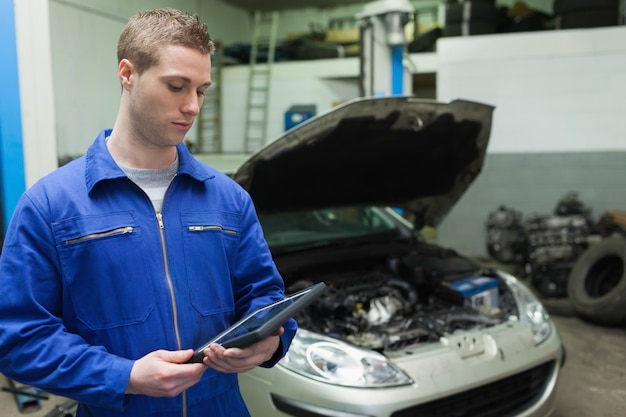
(543, 247)
(506, 237)
(554, 243)
(403, 301)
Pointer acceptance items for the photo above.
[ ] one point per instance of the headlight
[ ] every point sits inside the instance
(335, 362)
(531, 311)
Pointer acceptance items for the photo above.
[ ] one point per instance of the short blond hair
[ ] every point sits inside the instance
(146, 32)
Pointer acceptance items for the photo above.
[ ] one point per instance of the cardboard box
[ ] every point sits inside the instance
(350, 35)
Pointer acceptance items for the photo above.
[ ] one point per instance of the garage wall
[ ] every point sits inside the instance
(558, 124)
(322, 82)
(533, 183)
(558, 97)
(555, 91)
(83, 37)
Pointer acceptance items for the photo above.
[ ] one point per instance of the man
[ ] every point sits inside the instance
(118, 264)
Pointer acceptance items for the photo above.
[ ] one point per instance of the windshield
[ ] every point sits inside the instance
(328, 225)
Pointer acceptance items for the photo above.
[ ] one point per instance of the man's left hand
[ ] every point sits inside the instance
(236, 360)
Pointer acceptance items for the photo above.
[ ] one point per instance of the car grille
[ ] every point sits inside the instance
(505, 397)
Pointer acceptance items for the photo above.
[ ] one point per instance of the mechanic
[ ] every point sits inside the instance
(118, 264)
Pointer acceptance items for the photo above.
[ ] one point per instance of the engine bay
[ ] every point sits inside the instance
(392, 303)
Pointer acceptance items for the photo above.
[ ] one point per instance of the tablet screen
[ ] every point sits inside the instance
(257, 319)
(263, 321)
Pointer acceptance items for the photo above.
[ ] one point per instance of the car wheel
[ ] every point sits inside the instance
(597, 283)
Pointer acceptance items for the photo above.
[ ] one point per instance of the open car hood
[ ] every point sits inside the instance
(418, 155)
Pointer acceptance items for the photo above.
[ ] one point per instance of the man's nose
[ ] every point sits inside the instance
(193, 103)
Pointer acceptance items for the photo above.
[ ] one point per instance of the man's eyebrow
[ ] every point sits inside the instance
(186, 79)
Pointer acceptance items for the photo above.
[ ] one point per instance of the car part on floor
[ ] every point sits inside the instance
(543, 247)
(27, 398)
(66, 409)
(505, 235)
(553, 245)
(597, 283)
(613, 223)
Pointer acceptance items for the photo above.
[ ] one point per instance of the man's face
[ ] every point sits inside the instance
(165, 99)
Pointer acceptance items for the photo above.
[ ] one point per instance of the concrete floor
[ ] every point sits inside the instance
(592, 383)
(593, 380)
(41, 408)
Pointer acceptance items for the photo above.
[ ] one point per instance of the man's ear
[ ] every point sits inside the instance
(126, 72)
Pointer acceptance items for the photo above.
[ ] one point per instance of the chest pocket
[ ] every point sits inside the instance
(211, 240)
(106, 269)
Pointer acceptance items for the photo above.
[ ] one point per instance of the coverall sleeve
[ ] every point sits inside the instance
(36, 347)
(257, 280)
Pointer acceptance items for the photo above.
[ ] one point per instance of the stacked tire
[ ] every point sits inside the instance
(571, 14)
(597, 283)
(471, 17)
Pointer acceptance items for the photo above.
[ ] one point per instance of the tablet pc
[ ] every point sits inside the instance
(263, 321)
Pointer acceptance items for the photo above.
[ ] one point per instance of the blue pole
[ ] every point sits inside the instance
(12, 174)
(397, 71)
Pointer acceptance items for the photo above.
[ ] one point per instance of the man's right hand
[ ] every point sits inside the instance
(164, 373)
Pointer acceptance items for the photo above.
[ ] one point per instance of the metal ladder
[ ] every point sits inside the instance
(264, 36)
(209, 121)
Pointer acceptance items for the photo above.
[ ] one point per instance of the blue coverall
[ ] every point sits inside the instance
(92, 278)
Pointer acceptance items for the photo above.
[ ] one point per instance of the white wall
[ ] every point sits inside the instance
(320, 82)
(323, 82)
(84, 67)
(558, 122)
(36, 92)
(554, 91)
(83, 38)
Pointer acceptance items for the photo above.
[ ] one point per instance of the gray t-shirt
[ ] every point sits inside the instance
(153, 182)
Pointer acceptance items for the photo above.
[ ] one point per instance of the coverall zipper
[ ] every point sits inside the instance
(168, 277)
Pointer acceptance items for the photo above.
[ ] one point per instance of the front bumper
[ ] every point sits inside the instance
(448, 377)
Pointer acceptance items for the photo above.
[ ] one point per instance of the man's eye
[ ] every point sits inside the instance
(201, 93)
(175, 87)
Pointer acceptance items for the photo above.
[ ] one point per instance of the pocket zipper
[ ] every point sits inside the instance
(118, 231)
(203, 228)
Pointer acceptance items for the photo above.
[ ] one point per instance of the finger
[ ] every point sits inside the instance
(279, 332)
(230, 366)
(213, 355)
(221, 360)
(235, 353)
(177, 356)
(218, 364)
(185, 355)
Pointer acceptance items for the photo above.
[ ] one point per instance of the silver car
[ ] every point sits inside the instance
(406, 327)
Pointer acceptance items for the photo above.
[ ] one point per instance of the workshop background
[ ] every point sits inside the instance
(558, 126)
(558, 95)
